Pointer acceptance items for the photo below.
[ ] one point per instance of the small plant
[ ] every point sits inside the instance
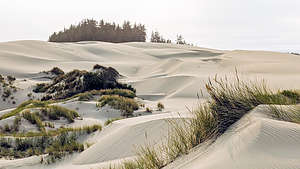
(11, 79)
(6, 93)
(148, 110)
(160, 106)
(1, 79)
(109, 121)
(98, 67)
(29, 95)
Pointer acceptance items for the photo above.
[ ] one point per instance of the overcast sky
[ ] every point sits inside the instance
(223, 24)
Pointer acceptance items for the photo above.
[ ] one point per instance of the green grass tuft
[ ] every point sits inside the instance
(126, 105)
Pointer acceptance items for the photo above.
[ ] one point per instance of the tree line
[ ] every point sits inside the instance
(156, 37)
(92, 30)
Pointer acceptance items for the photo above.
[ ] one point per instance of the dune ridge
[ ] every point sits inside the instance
(171, 74)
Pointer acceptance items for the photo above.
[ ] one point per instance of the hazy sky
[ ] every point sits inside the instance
(222, 24)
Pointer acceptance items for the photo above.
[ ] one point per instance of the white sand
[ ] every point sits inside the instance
(256, 141)
(173, 75)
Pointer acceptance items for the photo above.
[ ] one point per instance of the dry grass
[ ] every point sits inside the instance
(229, 101)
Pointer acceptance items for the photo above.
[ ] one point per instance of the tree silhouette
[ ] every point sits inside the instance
(91, 30)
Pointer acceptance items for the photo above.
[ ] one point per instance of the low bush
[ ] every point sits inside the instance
(57, 71)
(40, 88)
(148, 110)
(6, 93)
(10, 79)
(160, 106)
(1, 79)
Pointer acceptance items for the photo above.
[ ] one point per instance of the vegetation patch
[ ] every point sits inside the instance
(34, 118)
(229, 102)
(25, 105)
(160, 106)
(55, 143)
(75, 82)
(55, 112)
(126, 105)
(109, 121)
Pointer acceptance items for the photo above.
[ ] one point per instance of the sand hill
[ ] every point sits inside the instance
(171, 74)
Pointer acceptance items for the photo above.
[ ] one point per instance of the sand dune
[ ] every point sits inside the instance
(256, 141)
(171, 74)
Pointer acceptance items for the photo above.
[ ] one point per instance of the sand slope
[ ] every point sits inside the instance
(173, 75)
(256, 141)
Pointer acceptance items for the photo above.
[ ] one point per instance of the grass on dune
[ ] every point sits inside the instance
(126, 105)
(229, 101)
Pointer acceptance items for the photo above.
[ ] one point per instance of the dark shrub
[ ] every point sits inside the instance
(11, 79)
(98, 67)
(40, 88)
(57, 71)
(6, 93)
(1, 79)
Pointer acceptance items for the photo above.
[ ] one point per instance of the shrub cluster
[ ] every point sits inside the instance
(75, 82)
(57, 71)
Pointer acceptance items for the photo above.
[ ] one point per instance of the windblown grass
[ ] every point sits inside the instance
(229, 101)
(287, 113)
(232, 99)
(54, 112)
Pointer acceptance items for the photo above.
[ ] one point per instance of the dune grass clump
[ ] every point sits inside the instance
(229, 101)
(126, 105)
(120, 92)
(34, 118)
(55, 112)
(285, 113)
(55, 147)
(85, 96)
(25, 105)
(232, 99)
(63, 145)
(55, 143)
(109, 121)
